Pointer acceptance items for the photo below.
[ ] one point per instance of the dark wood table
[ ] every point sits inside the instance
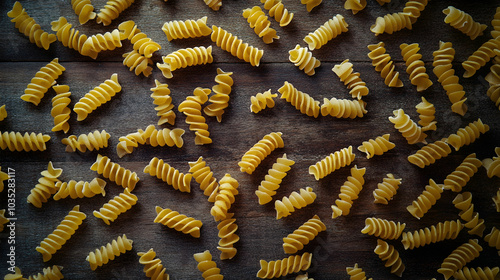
(307, 140)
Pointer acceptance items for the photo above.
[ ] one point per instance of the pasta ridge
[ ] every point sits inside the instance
(459, 257)
(383, 228)
(84, 10)
(332, 162)
(141, 42)
(462, 21)
(303, 58)
(456, 180)
(296, 240)
(204, 176)
(152, 265)
(476, 273)
(101, 42)
(283, 267)
(135, 61)
(70, 37)
(92, 141)
(415, 66)
(114, 172)
(177, 221)
(220, 100)
(351, 79)
(426, 199)
(426, 113)
(377, 146)
(163, 102)
(300, 100)
(235, 46)
(349, 192)
(278, 11)
(228, 188)
(104, 254)
(15, 141)
(391, 23)
(287, 205)
(492, 165)
(343, 108)
(272, 180)
(112, 10)
(206, 265)
(227, 228)
(391, 257)
(253, 157)
(260, 101)
(116, 206)
(383, 63)
(467, 135)
(177, 29)
(386, 190)
(80, 189)
(151, 136)
(408, 128)
(493, 78)
(183, 58)
(191, 107)
(172, 176)
(432, 234)
(43, 80)
(326, 32)
(60, 110)
(463, 202)
(46, 185)
(480, 57)
(260, 23)
(429, 153)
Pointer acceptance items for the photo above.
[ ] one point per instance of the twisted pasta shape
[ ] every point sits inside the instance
(177, 221)
(191, 107)
(287, 205)
(377, 146)
(462, 21)
(426, 199)
(415, 7)
(141, 42)
(4, 176)
(311, 4)
(60, 111)
(351, 79)
(114, 207)
(101, 42)
(114, 172)
(296, 240)
(283, 267)
(391, 257)
(112, 10)
(383, 228)
(463, 202)
(46, 185)
(228, 188)
(61, 234)
(94, 140)
(163, 102)
(165, 172)
(429, 153)
(260, 101)
(213, 4)
(492, 165)
(493, 238)
(104, 254)
(43, 80)
(493, 78)
(70, 37)
(3, 220)
(386, 190)
(260, 24)
(408, 128)
(3, 113)
(304, 59)
(48, 273)
(235, 46)
(227, 228)
(260, 150)
(355, 5)
(272, 180)
(151, 136)
(432, 234)
(176, 29)
(426, 111)
(326, 32)
(343, 108)
(183, 58)
(302, 101)
(332, 162)
(391, 23)
(15, 141)
(84, 10)
(467, 135)
(415, 66)
(28, 26)
(480, 57)
(456, 180)
(134, 60)
(152, 265)
(476, 273)
(495, 23)
(80, 189)
(356, 273)
(278, 11)
(383, 63)
(349, 192)
(207, 266)
(204, 176)
(220, 99)
(496, 200)
(459, 257)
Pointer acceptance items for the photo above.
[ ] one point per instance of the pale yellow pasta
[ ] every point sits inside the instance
(429, 153)
(116, 206)
(220, 100)
(92, 141)
(261, 101)
(48, 273)
(303, 277)
(493, 78)
(101, 42)
(460, 257)
(191, 107)
(15, 141)
(114, 172)
(43, 80)
(476, 273)
(326, 32)
(433, 234)
(112, 10)
(426, 111)
(63, 232)
(228, 189)
(177, 29)
(60, 110)
(391, 257)
(46, 186)
(480, 57)
(415, 67)
(172, 176)
(463, 202)
(283, 267)
(152, 265)
(213, 4)
(177, 221)
(141, 43)
(457, 179)
(207, 266)
(80, 189)
(382, 2)
(426, 199)
(163, 102)
(204, 176)
(260, 150)
(415, 7)
(227, 228)
(332, 162)
(411, 131)
(303, 58)
(300, 100)
(138, 63)
(492, 165)
(377, 146)
(356, 273)
(278, 11)
(343, 108)
(104, 254)
(496, 200)
(84, 10)
(260, 24)
(386, 190)
(151, 136)
(296, 200)
(391, 23)
(351, 79)
(467, 135)
(70, 37)
(235, 46)
(495, 23)
(383, 228)
(311, 4)
(272, 180)
(349, 192)
(296, 240)
(462, 21)
(4, 176)
(3, 113)
(493, 238)
(183, 58)
(3, 219)
(384, 64)
(355, 5)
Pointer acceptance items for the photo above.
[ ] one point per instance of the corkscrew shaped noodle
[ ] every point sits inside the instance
(176, 29)
(391, 257)
(493, 78)
(495, 23)
(415, 7)
(204, 176)
(228, 188)
(462, 21)
(426, 199)
(355, 5)
(426, 111)
(151, 136)
(386, 190)
(116, 206)
(48, 273)
(272, 180)
(163, 102)
(356, 273)
(260, 24)
(140, 41)
(183, 58)
(3, 220)
(287, 205)
(112, 10)
(84, 10)
(220, 99)
(3, 113)
(177, 221)
(96, 97)
(283, 267)
(432, 234)
(114, 172)
(460, 257)
(278, 11)
(377, 146)
(191, 107)
(252, 158)
(476, 273)
(43, 80)
(137, 63)
(332, 162)
(101, 42)
(492, 165)
(213, 4)
(15, 141)
(349, 192)
(165, 172)
(296, 240)
(463, 202)
(480, 57)
(415, 67)
(311, 4)
(343, 108)
(408, 128)
(496, 200)
(227, 228)
(456, 180)
(429, 153)
(391, 23)
(304, 59)
(70, 37)
(46, 185)
(326, 32)
(383, 63)
(104, 254)
(28, 26)
(152, 265)
(61, 234)
(80, 189)
(383, 228)
(260, 101)
(467, 135)
(93, 141)
(351, 79)
(4, 176)
(493, 238)
(302, 101)
(207, 266)
(235, 46)
(60, 110)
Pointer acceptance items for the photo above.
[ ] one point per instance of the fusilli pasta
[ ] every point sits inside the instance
(191, 107)
(3, 219)
(476, 273)
(15, 141)
(135, 61)
(355, 5)
(204, 176)
(386, 190)
(252, 158)
(467, 135)
(492, 165)
(163, 102)
(43, 80)
(151, 136)
(408, 128)
(114, 172)
(456, 180)
(383, 228)
(326, 32)
(183, 58)
(207, 266)
(92, 141)
(287, 205)
(177, 221)
(142, 44)
(260, 101)
(415, 67)
(493, 78)
(80, 189)
(162, 170)
(4, 176)
(463, 202)
(391, 23)
(480, 57)
(432, 234)
(84, 10)
(351, 79)
(311, 4)
(462, 21)
(496, 200)
(176, 29)
(296, 240)
(227, 228)
(272, 180)
(429, 153)
(349, 192)
(460, 257)
(415, 7)
(332, 162)
(70, 37)
(152, 265)
(303, 58)
(260, 24)
(104, 254)
(60, 110)
(213, 4)
(220, 100)
(3, 113)
(228, 188)
(46, 185)
(101, 42)
(377, 146)
(302, 101)
(116, 206)
(48, 273)
(426, 111)
(356, 273)
(391, 257)
(426, 199)
(278, 11)
(383, 63)
(235, 46)
(112, 10)
(283, 267)
(343, 108)
(493, 238)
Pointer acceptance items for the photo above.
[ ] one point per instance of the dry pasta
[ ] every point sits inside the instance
(492, 165)
(493, 78)
(227, 228)
(391, 23)
(463, 202)
(343, 108)
(114, 172)
(462, 21)
(46, 186)
(92, 141)
(356, 273)
(287, 205)
(351, 79)
(302, 101)
(377, 146)
(383, 228)
(101, 42)
(460, 257)
(415, 67)
(204, 176)
(467, 135)
(177, 221)
(391, 257)
(152, 265)
(235, 46)
(426, 111)
(480, 57)
(191, 107)
(138, 63)
(15, 141)
(176, 29)
(3, 219)
(429, 153)
(162, 170)
(326, 32)
(4, 176)
(51, 272)
(80, 189)
(311, 4)
(213, 4)
(303, 58)
(261, 101)
(296, 240)
(493, 238)
(386, 190)
(495, 23)
(273, 179)
(151, 136)
(476, 273)
(207, 266)
(60, 110)
(411, 131)
(183, 58)
(220, 100)
(384, 64)
(252, 158)
(349, 192)
(496, 200)
(112, 10)
(228, 189)
(283, 267)
(163, 102)
(116, 206)
(104, 254)
(433, 234)
(141, 43)
(415, 7)
(332, 162)
(278, 11)
(355, 5)
(3, 113)
(426, 199)
(456, 180)
(84, 10)
(43, 80)
(70, 37)
(260, 24)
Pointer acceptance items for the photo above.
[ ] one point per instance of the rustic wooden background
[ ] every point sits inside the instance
(307, 140)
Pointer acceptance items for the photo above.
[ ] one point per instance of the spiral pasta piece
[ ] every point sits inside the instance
(476, 273)
(460, 257)
(4, 176)
(433, 234)
(383, 63)
(386, 190)
(326, 32)
(302, 101)
(84, 10)
(162, 170)
(176, 29)
(177, 221)
(349, 192)
(15, 141)
(311, 4)
(260, 24)
(356, 273)
(112, 10)
(287, 205)
(377, 146)
(60, 111)
(351, 79)
(152, 265)
(183, 58)
(391, 23)
(116, 206)
(415, 7)
(101, 42)
(48, 273)
(163, 102)
(493, 78)
(46, 185)
(3, 113)
(235, 46)
(207, 266)
(70, 37)
(213, 4)
(261, 101)
(462, 21)
(104, 254)
(415, 67)
(92, 141)
(426, 113)
(303, 58)
(383, 228)
(204, 176)
(137, 63)
(283, 267)
(467, 135)
(228, 189)
(429, 153)
(227, 228)
(343, 108)
(480, 57)
(278, 11)
(80, 189)
(28, 26)
(191, 107)
(355, 5)
(114, 172)
(463, 202)
(493, 238)
(43, 80)
(496, 200)
(391, 257)
(332, 162)
(272, 180)
(61, 234)
(260, 150)
(296, 240)
(141, 43)
(220, 100)
(151, 136)
(3, 220)
(456, 180)
(411, 131)
(426, 199)
(492, 165)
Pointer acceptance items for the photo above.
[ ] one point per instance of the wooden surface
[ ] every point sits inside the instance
(307, 140)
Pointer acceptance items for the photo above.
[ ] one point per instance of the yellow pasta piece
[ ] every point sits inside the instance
(463, 202)
(3, 176)
(70, 37)
(235, 46)
(493, 238)
(220, 100)
(476, 273)
(272, 180)
(252, 158)
(104, 254)
(426, 111)
(283, 267)
(462, 21)
(162, 170)
(15, 141)
(496, 200)
(114, 172)
(183, 58)
(355, 5)
(152, 265)
(356, 273)
(213, 4)
(383, 63)
(302, 101)
(43, 80)
(51, 272)
(343, 108)
(116, 206)
(176, 29)
(429, 153)
(227, 228)
(101, 42)
(150, 136)
(93, 141)
(415, 67)
(391, 257)
(383, 228)
(191, 107)
(260, 23)
(112, 10)
(80, 189)
(391, 23)
(204, 176)
(480, 57)
(60, 110)
(287, 205)
(493, 78)
(46, 186)
(456, 180)
(492, 165)
(278, 11)
(460, 257)
(332, 162)
(326, 32)
(141, 43)
(349, 192)
(495, 23)
(351, 79)
(84, 10)
(426, 199)
(261, 101)
(163, 102)
(228, 188)
(3, 220)
(311, 4)
(177, 221)
(303, 58)
(386, 190)
(433, 234)
(207, 266)
(296, 240)
(415, 7)
(138, 63)
(377, 146)
(467, 135)
(409, 129)
(3, 113)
